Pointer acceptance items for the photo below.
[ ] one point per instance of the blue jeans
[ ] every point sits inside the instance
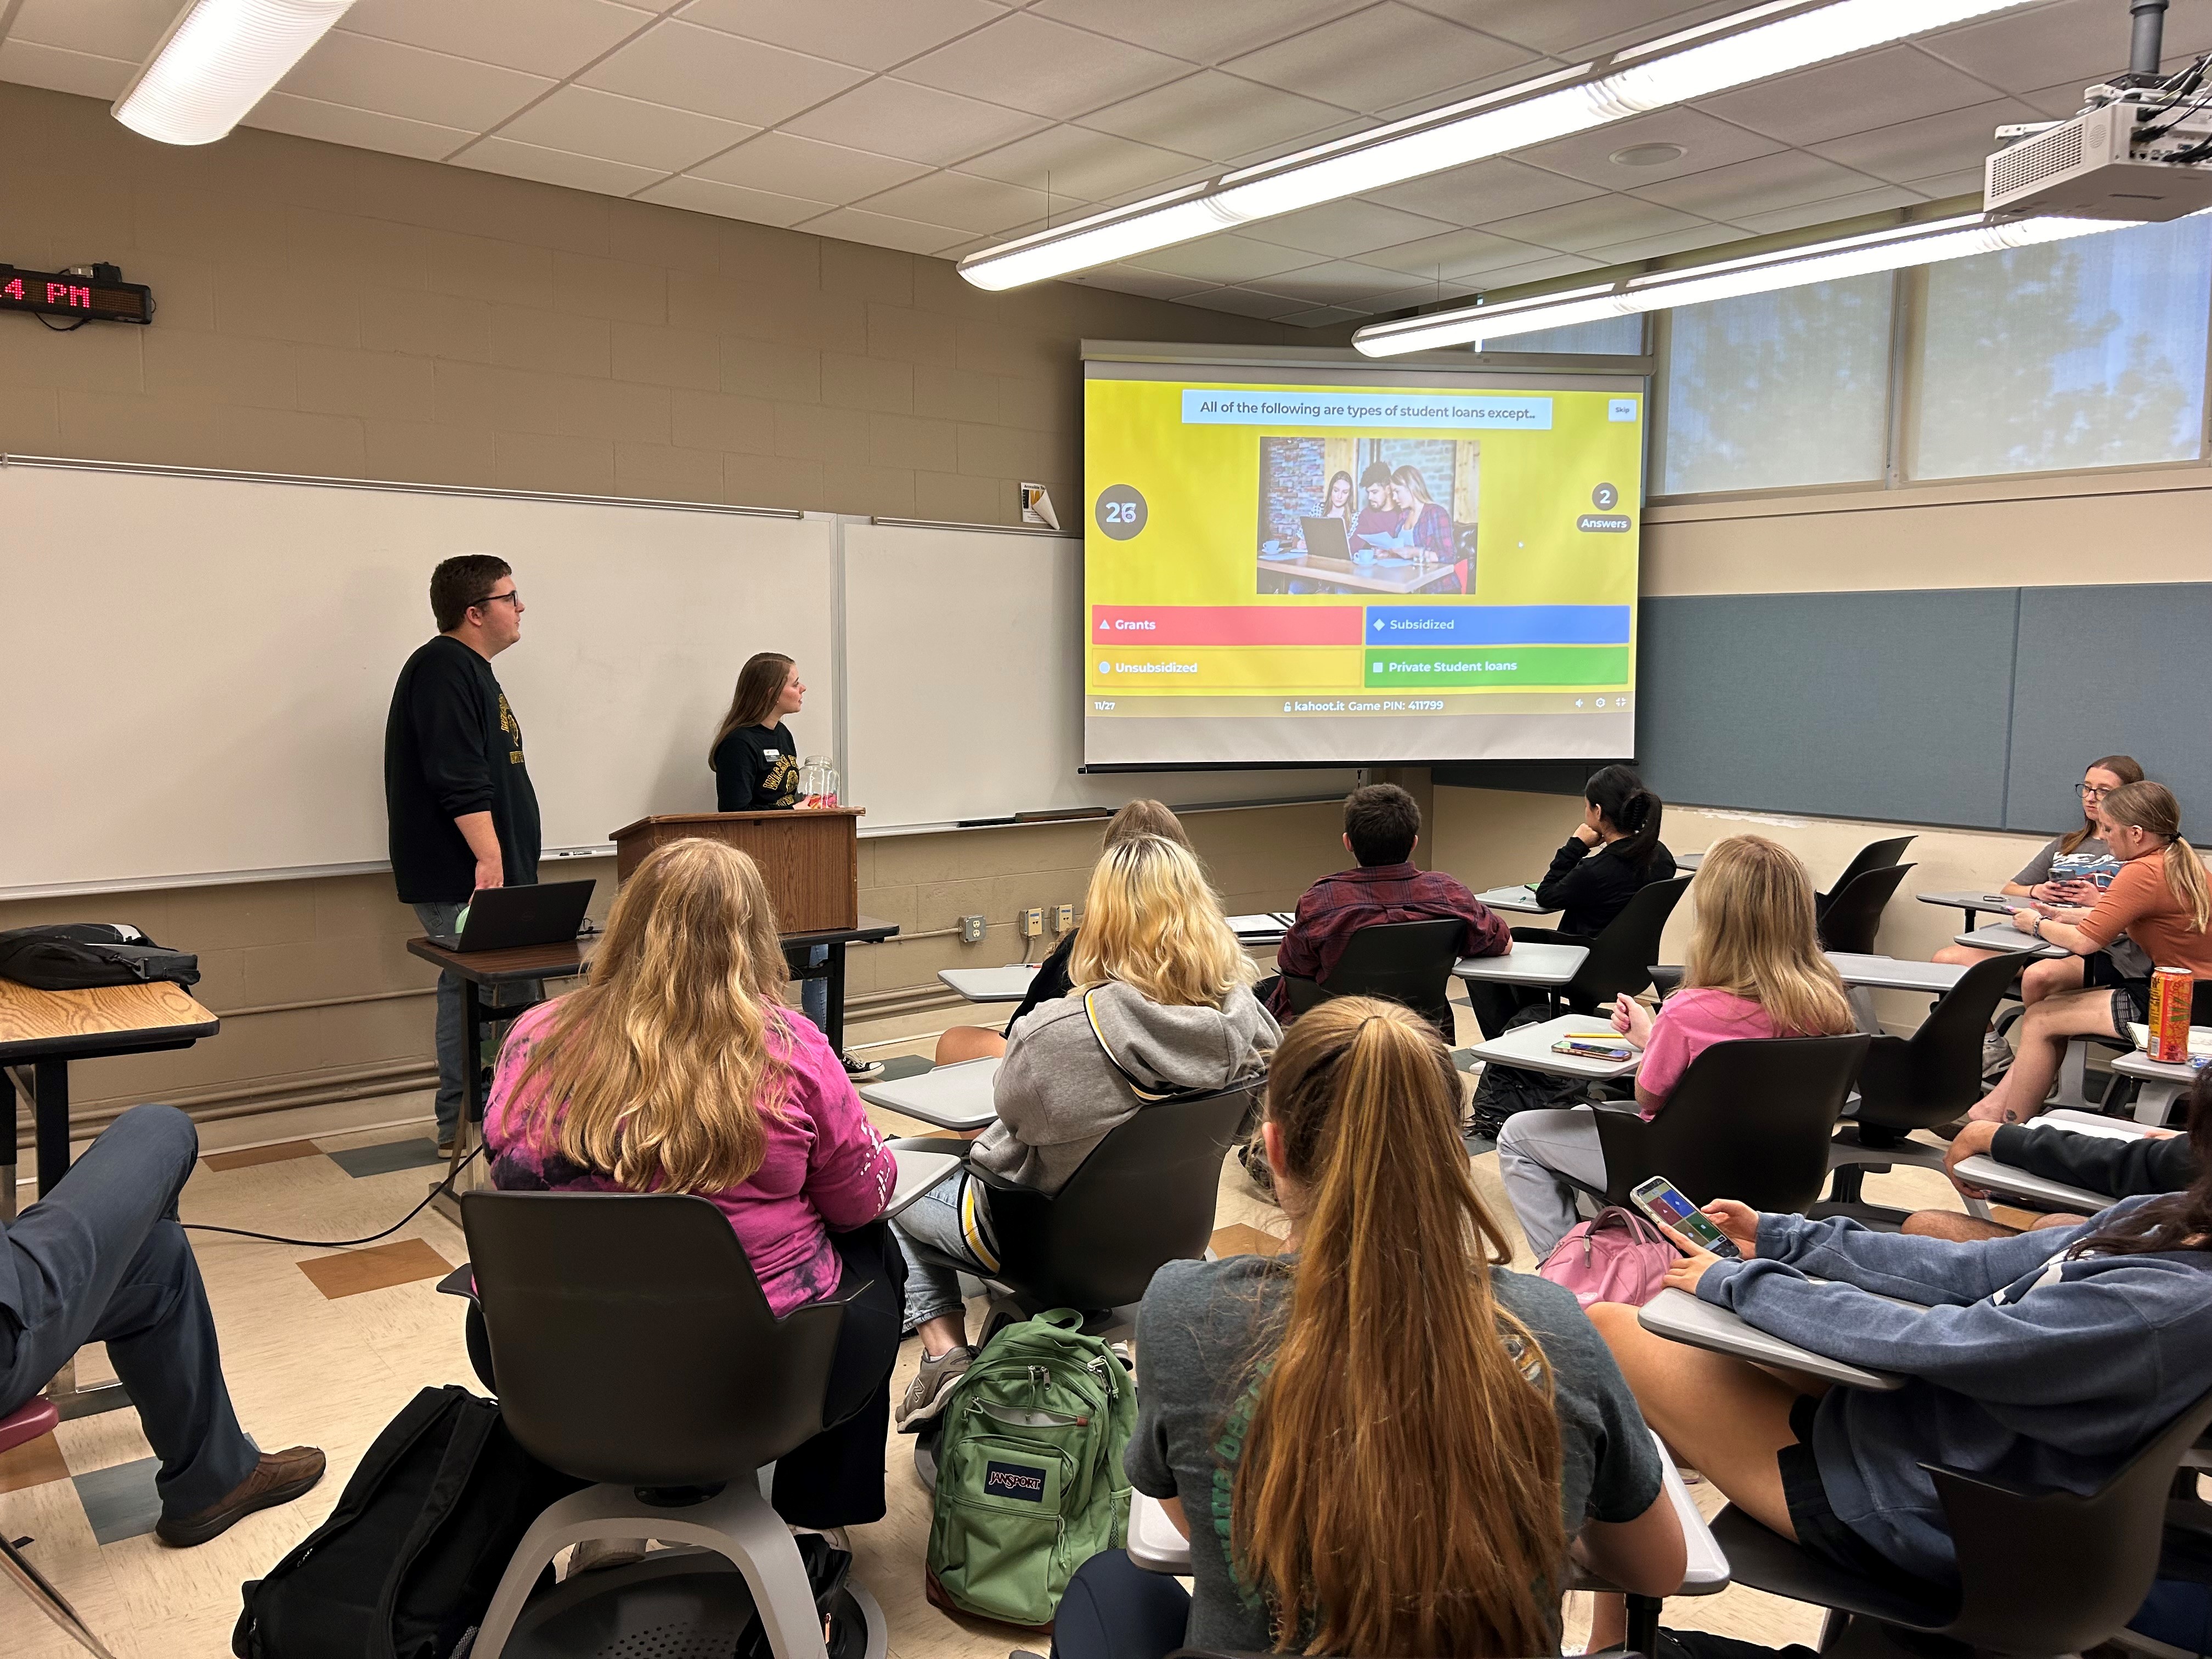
(935, 1220)
(814, 993)
(101, 1259)
(1115, 1609)
(441, 919)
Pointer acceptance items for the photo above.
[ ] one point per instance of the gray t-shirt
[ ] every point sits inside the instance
(1199, 1334)
(2091, 860)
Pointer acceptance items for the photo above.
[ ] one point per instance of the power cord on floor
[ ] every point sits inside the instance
(445, 1186)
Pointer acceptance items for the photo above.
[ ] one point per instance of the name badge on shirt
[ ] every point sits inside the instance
(772, 754)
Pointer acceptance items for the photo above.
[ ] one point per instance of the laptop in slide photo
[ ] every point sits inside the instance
(501, 918)
(1325, 539)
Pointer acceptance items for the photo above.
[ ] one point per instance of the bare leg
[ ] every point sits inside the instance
(1725, 1416)
(1949, 1223)
(969, 1043)
(1608, 1622)
(1963, 956)
(2045, 979)
(2043, 1037)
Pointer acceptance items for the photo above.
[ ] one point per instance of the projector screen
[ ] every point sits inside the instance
(1355, 567)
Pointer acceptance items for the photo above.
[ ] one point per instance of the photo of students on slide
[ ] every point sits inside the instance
(1400, 540)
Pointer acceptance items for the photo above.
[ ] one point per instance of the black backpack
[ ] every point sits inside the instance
(407, 1564)
(77, 955)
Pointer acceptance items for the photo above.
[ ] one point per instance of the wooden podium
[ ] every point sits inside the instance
(810, 859)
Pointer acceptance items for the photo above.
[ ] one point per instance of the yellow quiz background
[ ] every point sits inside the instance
(1200, 544)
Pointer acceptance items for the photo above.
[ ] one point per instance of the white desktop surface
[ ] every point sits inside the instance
(1007, 984)
(1520, 901)
(1895, 973)
(918, 1172)
(1681, 1317)
(952, 1097)
(1529, 1047)
(1526, 964)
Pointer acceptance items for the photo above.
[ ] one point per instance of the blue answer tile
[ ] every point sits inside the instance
(383, 1158)
(120, 1502)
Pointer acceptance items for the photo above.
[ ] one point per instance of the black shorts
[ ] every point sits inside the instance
(1815, 1522)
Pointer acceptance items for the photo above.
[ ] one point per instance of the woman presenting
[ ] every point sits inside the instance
(755, 760)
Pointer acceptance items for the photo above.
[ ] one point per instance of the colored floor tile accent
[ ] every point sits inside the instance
(375, 1268)
(1238, 1239)
(282, 1152)
(32, 1464)
(360, 1162)
(120, 1502)
(1464, 1058)
(907, 1065)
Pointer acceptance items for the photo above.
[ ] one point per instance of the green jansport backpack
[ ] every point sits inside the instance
(1030, 1483)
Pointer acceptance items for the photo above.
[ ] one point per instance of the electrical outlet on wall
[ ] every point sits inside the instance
(1063, 917)
(1033, 921)
(971, 930)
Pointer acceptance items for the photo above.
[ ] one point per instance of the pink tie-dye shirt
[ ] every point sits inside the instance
(826, 1167)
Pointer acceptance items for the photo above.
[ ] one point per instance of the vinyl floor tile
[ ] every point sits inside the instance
(119, 1501)
(32, 1464)
(360, 1162)
(282, 1152)
(375, 1268)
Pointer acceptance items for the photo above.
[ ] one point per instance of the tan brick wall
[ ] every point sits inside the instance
(325, 310)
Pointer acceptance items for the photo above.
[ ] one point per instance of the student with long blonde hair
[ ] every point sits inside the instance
(677, 1069)
(2160, 899)
(1755, 969)
(1162, 1004)
(1380, 1441)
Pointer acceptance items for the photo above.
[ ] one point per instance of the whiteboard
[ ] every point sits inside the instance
(198, 667)
(964, 683)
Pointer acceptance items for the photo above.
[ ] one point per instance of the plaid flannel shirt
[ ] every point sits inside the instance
(1337, 907)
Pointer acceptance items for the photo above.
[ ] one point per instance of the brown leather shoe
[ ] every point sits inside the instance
(278, 1478)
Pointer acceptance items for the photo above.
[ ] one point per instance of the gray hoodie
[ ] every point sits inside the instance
(1058, 1093)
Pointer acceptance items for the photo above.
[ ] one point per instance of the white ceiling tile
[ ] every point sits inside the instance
(554, 166)
(1952, 141)
(1214, 115)
(544, 37)
(1705, 143)
(916, 123)
(2057, 102)
(57, 69)
(867, 33)
(1967, 181)
(127, 29)
(787, 165)
(1345, 227)
(445, 91)
(1453, 254)
(1200, 34)
(1229, 258)
(761, 207)
(602, 124)
(1092, 166)
(882, 230)
(1241, 302)
(1344, 127)
(1762, 185)
(983, 206)
(1653, 247)
(1378, 59)
(718, 74)
(1601, 221)
(1323, 316)
(1535, 270)
(1483, 191)
(1130, 279)
(1338, 282)
(1033, 63)
(2078, 42)
(1567, 26)
(1797, 217)
(363, 129)
(1854, 95)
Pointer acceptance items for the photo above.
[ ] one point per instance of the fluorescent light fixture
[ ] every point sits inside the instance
(218, 60)
(1728, 279)
(1697, 63)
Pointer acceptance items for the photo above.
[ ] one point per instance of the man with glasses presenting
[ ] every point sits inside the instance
(457, 794)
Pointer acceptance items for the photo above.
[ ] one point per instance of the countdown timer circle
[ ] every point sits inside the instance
(1121, 511)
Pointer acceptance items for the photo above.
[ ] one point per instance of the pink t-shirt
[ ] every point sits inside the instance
(826, 1167)
(1688, 1022)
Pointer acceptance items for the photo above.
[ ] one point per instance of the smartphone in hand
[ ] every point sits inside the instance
(1661, 1199)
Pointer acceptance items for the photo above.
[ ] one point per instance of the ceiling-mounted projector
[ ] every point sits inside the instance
(2138, 153)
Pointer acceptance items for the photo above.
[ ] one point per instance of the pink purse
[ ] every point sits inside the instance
(1617, 1257)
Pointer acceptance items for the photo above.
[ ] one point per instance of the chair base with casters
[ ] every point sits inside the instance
(20, 1427)
(676, 1600)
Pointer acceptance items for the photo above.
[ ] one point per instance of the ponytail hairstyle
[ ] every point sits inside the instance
(1629, 807)
(760, 687)
(2174, 1221)
(1754, 937)
(1398, 1489)
(2147, 806)
(2127, 768)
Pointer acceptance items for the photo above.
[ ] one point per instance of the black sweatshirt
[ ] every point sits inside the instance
(452, 746)
(1593, 887)
(757, 770)
(1051, 982)
(2102, 1164)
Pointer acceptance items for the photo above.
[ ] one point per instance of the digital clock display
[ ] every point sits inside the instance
(102, 297)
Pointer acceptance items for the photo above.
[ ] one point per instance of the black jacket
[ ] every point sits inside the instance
(452, 746)
(1593, 887)
(2102, 1164)
(1051, 982)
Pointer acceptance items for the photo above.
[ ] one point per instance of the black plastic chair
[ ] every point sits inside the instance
(1621, 952)
(1852, 917)
(1914, 1083)
(1748, 1121)
(1874, 856)
(635, 1349)
(1403, 962)
(2039, 1572)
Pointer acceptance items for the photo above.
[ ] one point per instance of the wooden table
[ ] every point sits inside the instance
(45, 1031)
(1406, 576)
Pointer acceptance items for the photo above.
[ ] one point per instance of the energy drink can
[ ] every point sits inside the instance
(2172, 991)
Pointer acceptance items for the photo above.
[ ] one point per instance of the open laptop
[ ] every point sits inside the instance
(1325, 539)
(501, 918)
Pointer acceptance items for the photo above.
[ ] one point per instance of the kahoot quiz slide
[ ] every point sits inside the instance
(1460, 563)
